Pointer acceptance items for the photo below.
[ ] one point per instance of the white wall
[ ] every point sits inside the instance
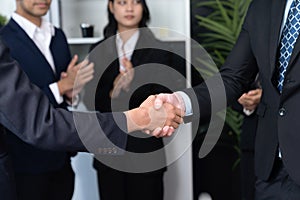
(7, 7)
(75, 12)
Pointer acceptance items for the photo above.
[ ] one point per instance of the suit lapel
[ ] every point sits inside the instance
(29, 44)
(140, 55)
(277, 11)
(22, 36)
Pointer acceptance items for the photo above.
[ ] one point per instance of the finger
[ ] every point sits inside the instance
(175, 120)
(63, 75)
(73, 61)
(179, 112)
(87, 68)
(129, 75)
(117, 79)
(159, 100)
(122, 71)
(174, 124)
(252, 92)
(86, 80)
(127, 63)
(170, 131)
(82, 75)
(148, 102)
(85, 72)
(83, 64)
(163, 132)
(83, 79)
(156, 131)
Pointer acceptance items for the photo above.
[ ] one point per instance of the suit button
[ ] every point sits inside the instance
(282, 112)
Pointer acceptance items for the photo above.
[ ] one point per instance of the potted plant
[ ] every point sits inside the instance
(3, 20)
(220, 28)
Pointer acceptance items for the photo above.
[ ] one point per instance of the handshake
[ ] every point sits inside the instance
(159, 115)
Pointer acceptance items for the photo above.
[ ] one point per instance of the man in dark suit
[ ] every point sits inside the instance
(27, 113)
(264, 45)
(35, 42)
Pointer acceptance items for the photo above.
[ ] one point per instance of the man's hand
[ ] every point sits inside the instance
(251, 99)
(72, 81)
(173, 99)
(147, 118)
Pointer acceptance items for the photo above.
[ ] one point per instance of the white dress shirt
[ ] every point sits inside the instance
(286, 12)
(41, 36)
(126, 49)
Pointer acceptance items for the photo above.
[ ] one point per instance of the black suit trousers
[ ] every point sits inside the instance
(117, 185)
(280, 186)
(58, 185)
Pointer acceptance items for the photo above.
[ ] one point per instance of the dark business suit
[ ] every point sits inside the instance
(48, 173)
(27, 113)
(278, 114)
(133, 186)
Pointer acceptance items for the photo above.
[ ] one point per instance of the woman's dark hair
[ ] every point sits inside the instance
(112, 26)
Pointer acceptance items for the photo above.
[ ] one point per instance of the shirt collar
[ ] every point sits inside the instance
(30, 28)
(130, 43)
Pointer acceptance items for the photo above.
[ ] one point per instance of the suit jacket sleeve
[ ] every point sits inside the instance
(27, 112)
(235, 77)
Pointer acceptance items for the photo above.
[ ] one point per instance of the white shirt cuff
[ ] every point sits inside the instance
(248, 112)
(55, 91)
(187, 102)
(75, 101)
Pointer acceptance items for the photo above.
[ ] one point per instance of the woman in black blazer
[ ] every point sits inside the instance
(117, 87)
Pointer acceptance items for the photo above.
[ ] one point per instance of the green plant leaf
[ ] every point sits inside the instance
(3, 20)
(223, 26)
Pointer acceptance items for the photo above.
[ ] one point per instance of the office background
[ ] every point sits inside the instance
(69, 14)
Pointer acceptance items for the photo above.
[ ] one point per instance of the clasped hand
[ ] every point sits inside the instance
(159, 115)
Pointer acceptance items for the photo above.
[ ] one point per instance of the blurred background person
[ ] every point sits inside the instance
(43, 53)
(125, 44)
(125, 17)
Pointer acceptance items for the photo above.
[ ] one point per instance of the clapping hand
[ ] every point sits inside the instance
(77, 75)
(123, 80)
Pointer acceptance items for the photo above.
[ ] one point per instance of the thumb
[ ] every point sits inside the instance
(127, 64)
(73, 62)
(252, 92)
(159, 100)
(63, 75)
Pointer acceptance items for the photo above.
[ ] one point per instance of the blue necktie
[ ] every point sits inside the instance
(290, 34)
